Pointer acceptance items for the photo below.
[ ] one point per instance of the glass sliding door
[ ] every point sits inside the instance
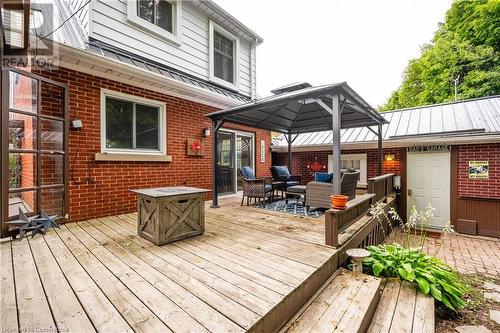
(244, 155)
(34, 151)
(235, 149)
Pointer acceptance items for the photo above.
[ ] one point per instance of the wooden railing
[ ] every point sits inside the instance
(337, 220)
(381, 186)
(371, 233)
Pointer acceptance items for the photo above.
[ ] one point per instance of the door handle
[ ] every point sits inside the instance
(409, 192)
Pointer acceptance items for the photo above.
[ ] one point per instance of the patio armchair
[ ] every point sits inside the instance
(255, 188)
(318, 193)
(283, 179)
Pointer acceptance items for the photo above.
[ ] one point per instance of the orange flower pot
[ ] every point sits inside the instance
(339, 201)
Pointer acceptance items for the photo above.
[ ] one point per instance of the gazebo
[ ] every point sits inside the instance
(302, 108)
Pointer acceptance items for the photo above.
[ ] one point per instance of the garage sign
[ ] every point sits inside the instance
(478, 169)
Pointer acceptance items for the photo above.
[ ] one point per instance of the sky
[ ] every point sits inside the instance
(366, 43)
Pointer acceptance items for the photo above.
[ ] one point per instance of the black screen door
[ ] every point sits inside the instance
(225, 162)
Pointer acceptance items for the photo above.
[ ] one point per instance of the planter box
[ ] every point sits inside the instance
(168, 214)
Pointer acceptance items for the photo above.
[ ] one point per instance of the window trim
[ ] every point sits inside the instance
(363, 164)
(134, 99)
(174, 37)
(212, 26)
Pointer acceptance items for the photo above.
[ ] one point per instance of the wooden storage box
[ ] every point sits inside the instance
(168, 214)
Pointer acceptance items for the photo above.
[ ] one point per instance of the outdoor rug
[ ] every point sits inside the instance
(293, 207)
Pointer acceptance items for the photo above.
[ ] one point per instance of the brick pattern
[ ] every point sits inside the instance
(103, 188)
(479, 188)
(467, 254)
(300, 161)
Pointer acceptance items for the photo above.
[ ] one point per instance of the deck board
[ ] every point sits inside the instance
(99, 308)
(99, 275)
(137, 315)
(344, 304)
(33, 308)
(66, 309)
(403, 309)
(8, 304)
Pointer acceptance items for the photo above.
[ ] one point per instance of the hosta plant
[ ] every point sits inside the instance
(427, 272)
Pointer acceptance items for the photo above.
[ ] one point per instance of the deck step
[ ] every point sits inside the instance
(402, 309)
(345, 303)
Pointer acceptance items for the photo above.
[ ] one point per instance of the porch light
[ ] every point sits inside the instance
(389, 157)
(396, 181)
(206, 132)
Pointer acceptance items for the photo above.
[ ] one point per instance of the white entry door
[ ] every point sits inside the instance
(429, 182)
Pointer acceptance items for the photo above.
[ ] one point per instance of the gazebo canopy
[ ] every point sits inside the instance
(301, 108)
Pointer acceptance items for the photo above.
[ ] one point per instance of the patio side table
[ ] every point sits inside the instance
(296, 191)
(168, 214)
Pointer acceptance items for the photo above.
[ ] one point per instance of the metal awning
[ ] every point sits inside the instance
(301, 108)
(304, 110)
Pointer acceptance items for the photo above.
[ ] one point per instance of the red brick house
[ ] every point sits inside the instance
(446, 154)
(124, 107)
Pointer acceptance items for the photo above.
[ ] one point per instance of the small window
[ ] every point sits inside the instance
(351, 162)
(161, 18)
(223, 56)
(157, 12)
(132, 125)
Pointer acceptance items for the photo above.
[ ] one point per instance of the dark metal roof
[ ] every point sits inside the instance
(303, 110)
(115, 53)
(470, 118)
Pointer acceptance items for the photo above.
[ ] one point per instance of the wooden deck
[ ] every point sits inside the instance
(251, 270)
(403, 309)
(345, 303)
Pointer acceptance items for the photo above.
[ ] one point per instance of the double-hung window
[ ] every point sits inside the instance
(132, 124)
(157, 12)
(159, 17)
(224, 48)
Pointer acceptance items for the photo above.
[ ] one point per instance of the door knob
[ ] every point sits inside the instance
(409, 192)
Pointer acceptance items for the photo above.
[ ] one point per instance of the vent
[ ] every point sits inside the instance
(291, 87)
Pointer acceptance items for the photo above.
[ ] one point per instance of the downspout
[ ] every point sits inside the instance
(253, 79)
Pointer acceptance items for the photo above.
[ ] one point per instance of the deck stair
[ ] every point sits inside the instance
(350, 302)
(402, 309)
(345, 303)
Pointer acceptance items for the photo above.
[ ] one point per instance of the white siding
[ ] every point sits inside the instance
(108, 23)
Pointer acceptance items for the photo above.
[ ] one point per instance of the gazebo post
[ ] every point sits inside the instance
(379, 149)
(289, 138)
(216, 124)
(336, 144)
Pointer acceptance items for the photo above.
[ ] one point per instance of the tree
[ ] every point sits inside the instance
(466, 47)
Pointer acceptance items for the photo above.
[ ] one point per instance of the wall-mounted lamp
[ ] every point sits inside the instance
(389, 157)
(76, 124)
(396, 181)
(206, 132)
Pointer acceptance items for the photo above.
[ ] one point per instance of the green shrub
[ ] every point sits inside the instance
(428, 273)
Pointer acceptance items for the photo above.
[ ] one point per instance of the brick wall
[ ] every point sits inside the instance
(300, 161)
(103, 188)
(479, 188)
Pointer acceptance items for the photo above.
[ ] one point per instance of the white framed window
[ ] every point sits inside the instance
(131, 124)
(223, 56)
(357, 162)
(159, 17)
